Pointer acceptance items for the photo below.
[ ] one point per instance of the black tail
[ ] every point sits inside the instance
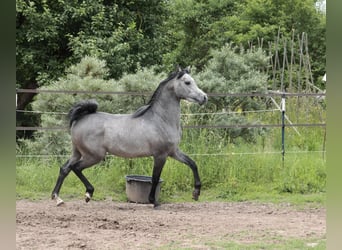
(81, 109)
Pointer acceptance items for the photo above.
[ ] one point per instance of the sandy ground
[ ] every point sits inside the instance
(193, 225)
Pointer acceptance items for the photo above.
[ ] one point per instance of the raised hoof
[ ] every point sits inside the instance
(87, 197)
(195, 194)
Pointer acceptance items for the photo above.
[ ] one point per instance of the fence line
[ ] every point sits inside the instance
(205, 154)
(270, 93)
(41, 112)
(186, 114)
(204, 126)
(136, 93)
(257, 125)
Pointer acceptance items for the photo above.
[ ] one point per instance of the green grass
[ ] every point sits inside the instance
(237, 172)
(302, 178)
(278, 243)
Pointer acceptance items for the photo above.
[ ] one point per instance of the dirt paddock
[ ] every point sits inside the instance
(193, 225)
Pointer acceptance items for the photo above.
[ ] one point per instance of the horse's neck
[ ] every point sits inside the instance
(168, 109)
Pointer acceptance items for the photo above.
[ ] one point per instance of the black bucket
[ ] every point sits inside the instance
(138, 188)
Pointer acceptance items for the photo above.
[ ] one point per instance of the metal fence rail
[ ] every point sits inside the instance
(132, 93)
(268, 94)
(137, 93)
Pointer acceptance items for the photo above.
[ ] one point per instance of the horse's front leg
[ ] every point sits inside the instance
(159, 162)
(180, 156)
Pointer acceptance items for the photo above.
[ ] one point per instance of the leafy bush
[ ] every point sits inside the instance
(233, 70)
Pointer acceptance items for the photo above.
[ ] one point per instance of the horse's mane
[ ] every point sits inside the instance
(143, 109)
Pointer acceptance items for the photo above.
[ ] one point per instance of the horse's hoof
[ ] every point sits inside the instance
(152, 200)
(59, 201)
(88, 197)
(156, 205)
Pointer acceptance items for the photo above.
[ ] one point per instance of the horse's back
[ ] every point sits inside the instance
(127, 136)
(88, 133)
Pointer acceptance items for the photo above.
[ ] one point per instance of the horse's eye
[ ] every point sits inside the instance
(187, 83)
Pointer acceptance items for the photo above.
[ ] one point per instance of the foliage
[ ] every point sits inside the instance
(192, 31)
(53, 35)
(122, 33)
(144, 81)
(236, 71)
(197, 27)
(233, 70)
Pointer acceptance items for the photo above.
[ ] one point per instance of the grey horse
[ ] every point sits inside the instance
(153, 130)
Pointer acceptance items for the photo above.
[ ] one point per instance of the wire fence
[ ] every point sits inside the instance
(137, 93)
(200, 155)
(204, 126)
(132, 93)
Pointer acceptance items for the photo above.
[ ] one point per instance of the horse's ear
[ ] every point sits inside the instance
(179, 69)
(188, 69)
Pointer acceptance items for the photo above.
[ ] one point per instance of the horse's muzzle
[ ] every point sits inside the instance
(204, 100)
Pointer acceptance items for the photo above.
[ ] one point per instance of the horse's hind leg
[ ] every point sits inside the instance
(79, 167)
(63, 172)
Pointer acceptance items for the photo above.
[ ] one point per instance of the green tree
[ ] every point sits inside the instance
(191, 32)
(263, 19)
(197, 27)
(53, 35)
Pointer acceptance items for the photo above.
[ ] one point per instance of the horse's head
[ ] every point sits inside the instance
(186, 88)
